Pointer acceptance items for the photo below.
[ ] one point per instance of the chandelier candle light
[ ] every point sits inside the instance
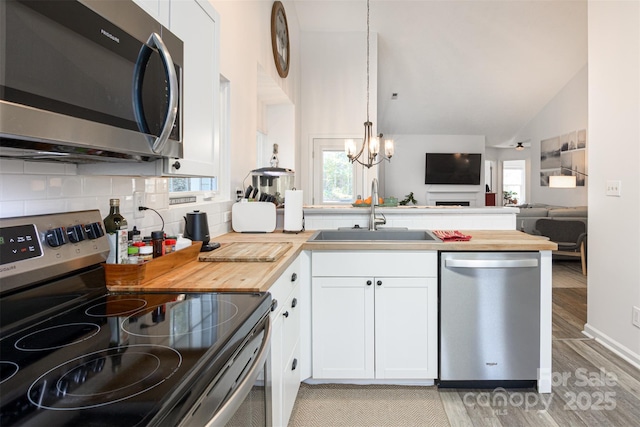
(371, 144)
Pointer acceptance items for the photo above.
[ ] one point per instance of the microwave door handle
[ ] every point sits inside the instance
(172, 111)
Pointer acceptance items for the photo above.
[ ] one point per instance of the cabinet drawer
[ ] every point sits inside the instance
(374, 263)
(283, 287)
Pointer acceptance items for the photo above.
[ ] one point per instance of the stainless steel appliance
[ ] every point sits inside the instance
(489, 319)
(272, 183)
(86, 81)
(72, 353)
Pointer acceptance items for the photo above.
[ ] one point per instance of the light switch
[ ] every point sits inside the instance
(614, 188)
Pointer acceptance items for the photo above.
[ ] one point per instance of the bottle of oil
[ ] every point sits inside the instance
(116, 228)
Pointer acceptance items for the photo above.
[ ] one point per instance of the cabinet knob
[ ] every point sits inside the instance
(176, 165)
(294, 365)
(294, 302)
(379, 282)
(294, 277)
(285, 314)
(369, 282)
(274, 305)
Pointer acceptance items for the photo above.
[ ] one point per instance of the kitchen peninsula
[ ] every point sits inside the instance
(291, 280)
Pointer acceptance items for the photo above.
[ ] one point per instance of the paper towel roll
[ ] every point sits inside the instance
(293, 215)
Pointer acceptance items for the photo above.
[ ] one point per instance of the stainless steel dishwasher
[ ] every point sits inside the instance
(489, 319)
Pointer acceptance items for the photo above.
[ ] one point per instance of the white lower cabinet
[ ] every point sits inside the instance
(285, 337)
(381, 325)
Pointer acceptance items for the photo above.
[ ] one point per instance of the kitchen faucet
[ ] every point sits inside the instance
(373, 220)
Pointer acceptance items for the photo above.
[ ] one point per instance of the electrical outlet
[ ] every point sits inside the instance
(138, 200)
(614, 188)
(636, 316)
(227, 217)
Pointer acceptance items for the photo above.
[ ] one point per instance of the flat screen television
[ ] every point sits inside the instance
(453, 168)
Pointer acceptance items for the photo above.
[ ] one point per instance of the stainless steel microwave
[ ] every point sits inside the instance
(88, 80)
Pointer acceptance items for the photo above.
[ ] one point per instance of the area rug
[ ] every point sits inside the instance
(341, 405)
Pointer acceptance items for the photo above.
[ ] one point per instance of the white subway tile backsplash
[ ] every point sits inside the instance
(44, 168)
(64, 186)
(97, 186)
(39, 207)
(23, 187)
(122, 185)
(11, 209)
(11, 166)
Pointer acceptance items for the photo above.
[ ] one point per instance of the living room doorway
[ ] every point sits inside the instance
(514, 173)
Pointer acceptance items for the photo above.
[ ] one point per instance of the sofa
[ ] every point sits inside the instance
(530, 213)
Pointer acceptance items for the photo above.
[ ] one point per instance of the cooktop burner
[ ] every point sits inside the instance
(7, 370)
(123, 307)
(146, 367)
(57, 336)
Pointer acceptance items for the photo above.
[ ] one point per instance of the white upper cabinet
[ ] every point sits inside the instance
(196, 23)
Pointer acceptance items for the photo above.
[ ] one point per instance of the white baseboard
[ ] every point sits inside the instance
(612, 345)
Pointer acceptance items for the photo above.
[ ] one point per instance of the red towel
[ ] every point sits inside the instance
(451, 236)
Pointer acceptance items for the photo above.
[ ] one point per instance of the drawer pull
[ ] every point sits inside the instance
(274, 305)
(294, 303)
(369, 282)
(285, 314)
(294, 277)
(379, 283)
(294, 365)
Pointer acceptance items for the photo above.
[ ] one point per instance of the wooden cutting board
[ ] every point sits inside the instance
(247, 252)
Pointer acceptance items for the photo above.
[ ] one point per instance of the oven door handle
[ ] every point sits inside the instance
(226, 411)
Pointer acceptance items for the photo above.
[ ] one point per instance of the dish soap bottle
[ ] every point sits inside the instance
(116, 229)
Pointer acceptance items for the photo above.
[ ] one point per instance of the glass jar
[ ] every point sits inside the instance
(145, 253)
(169, 245)
(157, 240)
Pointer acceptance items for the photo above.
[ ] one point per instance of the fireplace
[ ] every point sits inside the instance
(453, 203)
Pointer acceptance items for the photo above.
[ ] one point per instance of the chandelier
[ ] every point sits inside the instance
(369, 154)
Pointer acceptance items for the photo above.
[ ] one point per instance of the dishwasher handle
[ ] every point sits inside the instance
(491, 263)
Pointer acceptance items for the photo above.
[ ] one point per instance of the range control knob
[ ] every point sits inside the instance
(56, 237)
(94, 230)
(75, 233)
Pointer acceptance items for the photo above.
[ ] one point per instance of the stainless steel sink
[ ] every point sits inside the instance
(389, 235)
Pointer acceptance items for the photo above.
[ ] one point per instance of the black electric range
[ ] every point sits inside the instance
(72, 353)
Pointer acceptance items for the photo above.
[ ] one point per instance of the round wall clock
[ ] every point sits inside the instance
(280, 38)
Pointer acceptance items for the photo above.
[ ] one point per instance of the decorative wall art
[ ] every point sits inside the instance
(564, 155)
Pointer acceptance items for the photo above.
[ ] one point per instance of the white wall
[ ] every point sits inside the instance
(334, 93)
(614, 136)
(245, 46)
(405, 173)
(566, 112)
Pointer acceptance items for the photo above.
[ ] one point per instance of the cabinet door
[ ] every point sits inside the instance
(343, 329)
(406, 328)
(196, 23)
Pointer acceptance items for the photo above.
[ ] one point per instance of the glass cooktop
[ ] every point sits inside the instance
(117, 359)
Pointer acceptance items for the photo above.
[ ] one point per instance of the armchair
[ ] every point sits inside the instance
(571, 237)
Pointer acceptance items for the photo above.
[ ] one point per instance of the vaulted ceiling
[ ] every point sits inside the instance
(480, 67)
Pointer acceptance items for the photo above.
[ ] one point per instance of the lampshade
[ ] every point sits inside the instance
(562, 181)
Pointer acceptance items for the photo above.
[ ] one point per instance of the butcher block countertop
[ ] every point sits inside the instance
(258, 276)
